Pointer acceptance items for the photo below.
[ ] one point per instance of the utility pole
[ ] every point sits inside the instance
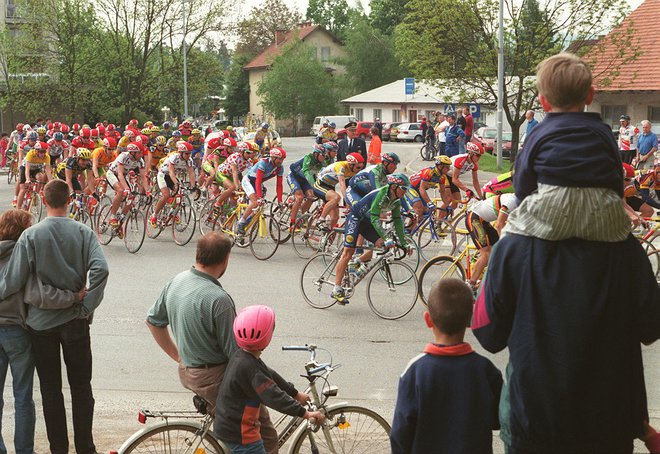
(500, 83)
(185, 66)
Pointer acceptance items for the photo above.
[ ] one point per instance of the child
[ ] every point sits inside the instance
(448, 396)
(248, 383)
(568, 176)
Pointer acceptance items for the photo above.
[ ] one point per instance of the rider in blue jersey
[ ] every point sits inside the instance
(372, 177)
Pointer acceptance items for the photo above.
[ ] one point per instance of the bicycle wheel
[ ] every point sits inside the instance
(317, 280)
(387, 298)
(11, 175)
(332, 242)
(264, 237)
(103, 229)
(438, 268)
(413, 259)
(35, 208)
(282, 215)
(348, 429)
(175, 438)
(134, 230)
(153, 232)
(308, 237)
(427, 152)
(436, 238)
(184, 222)
(208, 216)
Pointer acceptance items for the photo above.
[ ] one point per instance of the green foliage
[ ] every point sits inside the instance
(387, 14)
(334, 15)
(237, 88)
(297, 85)
(258, 31)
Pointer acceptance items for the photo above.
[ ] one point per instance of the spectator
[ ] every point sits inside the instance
(448, 396)
(378, 125)
(63, 251)
(627, 139)
(461, 122)
(202, 345)
(454, 136)
(351, 144)
(647, 147)
(4, 144)
(441, 124)
(531, 121)
(428, 132)
(15, 346)
(571, 312)
(469, 124)
(375, 147)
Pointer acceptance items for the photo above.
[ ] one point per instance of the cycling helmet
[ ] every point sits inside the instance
(85, 133)
(628, 171)
(325, 123)
(474, 148)
(146, 131)
(75, 126)
(332, 125)
(184, 147)
(389, 156)
(253, 327)
(132, 147)
(65, 129)
(277, 153)
(264, 125)
(57, 125)
(110, 127)
(32, 135)
(624, 117)
(229, 142)
(94, 133)
(214, 143)
(58, 136)
(41, 147)
(398, 179)
(83, 153)
(41, 130)
(196, 132)
(109, 142)
(252, 146)
(19, 127)
(166, 125)
(176, 134)
(320, 149)
(442, 160)
(186, 124)
(101, 129)
(155, 129)
(355, 158)
(242, 146)
(330, 146)
(133, 122)
(148, 124)
(161, 140)
(230, 128)
(129, 133)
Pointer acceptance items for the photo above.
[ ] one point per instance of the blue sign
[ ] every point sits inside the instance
(410, 85)
(475, 110)
(449, 108)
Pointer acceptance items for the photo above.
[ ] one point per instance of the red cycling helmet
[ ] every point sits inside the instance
(109, 142)
(94, 133)
(474, 148)
(355, 158)
(133, 122)
(75, 126)
(253, 327)
(110, 127)
(183, 146)
(64, 128)
(19, 127)
(277, 153)
(215, 143)
(101, 129)
(86, 133)
(628, 171)
(229, 142)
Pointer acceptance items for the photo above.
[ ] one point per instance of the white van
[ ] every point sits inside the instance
(339, 120)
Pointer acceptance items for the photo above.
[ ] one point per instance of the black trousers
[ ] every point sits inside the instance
(73, 340)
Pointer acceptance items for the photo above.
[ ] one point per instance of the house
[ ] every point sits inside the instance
(390, 103)
(631, 88)
(327, 47)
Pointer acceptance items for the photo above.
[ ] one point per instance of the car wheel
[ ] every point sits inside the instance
(419, 139)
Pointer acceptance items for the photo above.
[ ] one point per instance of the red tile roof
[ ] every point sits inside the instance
(264, 59)
(612, 72)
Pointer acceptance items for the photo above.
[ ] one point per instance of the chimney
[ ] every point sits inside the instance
(279, 37)
(305, 24)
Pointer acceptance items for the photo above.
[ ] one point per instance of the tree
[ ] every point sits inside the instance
(464, 55)
(258, 31)
(237, 88)
(387, 14)
(297, 85)
(334, 15)
(370, 61)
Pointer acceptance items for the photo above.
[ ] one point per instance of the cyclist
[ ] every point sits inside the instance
(158, 152)
(464, 163)
(214, 155)
(75, 131)
(483, 234)
(112, 131)
(155, 132)
(166, 130)
(301, 178)
(252, 182)
(262, 137)
(95, 137)
(84, 140)
(41, 132)
(196, 139)
(180, 161)
(56, 147)
(35, 165)
(230, 172)
(129, 160)
(24, 147)
(326, 182)
(329, 134)
(103, 156)
(371, 177)
(16, 137)
(417, 198)
(365, 219)
(633, 203)
(128, 137)
(650, 181)
(501, 184)
(185, 129)
(231, 132)
(171, 143)
(74, 168)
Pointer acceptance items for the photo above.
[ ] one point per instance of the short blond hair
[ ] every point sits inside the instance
(564, 80)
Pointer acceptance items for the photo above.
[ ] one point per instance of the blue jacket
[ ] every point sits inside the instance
(569, 149)
(572, 314)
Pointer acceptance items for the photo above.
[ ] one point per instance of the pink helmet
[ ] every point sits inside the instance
(229, 142)
(277, 153)
(183, 147)
(355, 158)
(253, 327)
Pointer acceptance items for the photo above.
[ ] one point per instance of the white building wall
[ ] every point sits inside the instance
(640, 106)
(388, 111)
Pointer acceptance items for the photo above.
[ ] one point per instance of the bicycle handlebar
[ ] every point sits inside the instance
(295, 348)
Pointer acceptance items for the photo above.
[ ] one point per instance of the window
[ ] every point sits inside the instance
(352, 111)
(654, 114)
(412, 116)
(378, 113)
(359, 114)
(396, 115)
(611, 114)
(429, 114)
(325, 53)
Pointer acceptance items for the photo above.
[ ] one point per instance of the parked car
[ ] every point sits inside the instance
(387, 129)
(277, 139)
(410, 132)
(394, 132)
(487, 137)
(339, 120)
(478, 124)
(364, 129)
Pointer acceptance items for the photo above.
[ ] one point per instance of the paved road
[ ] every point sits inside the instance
(131, 372)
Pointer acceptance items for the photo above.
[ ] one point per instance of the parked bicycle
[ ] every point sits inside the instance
(347, 428)
(428, 151)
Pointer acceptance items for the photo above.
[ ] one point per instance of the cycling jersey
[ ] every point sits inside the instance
(501, 184)
(269, 170)
(489, 209)
(648, 181)
(306, 168)
(36, 161)
(79, 142)
(197, 143)
(628, 137)
(127, 161)
(327, 135)
(262, 171)
(236, 159)
(158, 153)
(180, 164)
(463, 163)
(24, 146)
(73, 165)
(55, 148)
(370, 178)
(103, 158)
(431, 175)
(329, 175)
(260, 137)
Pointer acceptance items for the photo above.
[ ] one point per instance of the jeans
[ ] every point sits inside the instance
(73, 339)
(253, 448)
(16, 353)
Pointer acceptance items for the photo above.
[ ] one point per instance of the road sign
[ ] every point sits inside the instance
(410, 85)
(475, 110)
(449, 109)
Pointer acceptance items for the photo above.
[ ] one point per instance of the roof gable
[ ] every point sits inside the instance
(611, 70)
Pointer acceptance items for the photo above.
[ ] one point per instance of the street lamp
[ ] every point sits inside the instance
(185, 67)
(500, 84)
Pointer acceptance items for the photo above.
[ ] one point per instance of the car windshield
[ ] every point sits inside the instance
(506, 135)
(490, 133)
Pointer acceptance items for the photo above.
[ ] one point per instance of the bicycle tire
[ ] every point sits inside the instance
(103, 229)
(427, 152)
(437, 268)
(298, 238)
(283, 218)
(387, 298)
(35, 208)
(264, 237)
(646, 245)
(311, 240)
(134, 231)
(153, 232)
(366, 432)
(160, 439)
(11, 174)
(317, 279)
(184, 221)
(208, 216)
(436, 237)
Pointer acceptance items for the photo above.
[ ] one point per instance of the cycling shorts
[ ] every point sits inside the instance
(220, 178)
(482, 233)
(111, 178)
(74, 180)
(196, 151)
(635, 202)
(298, 184)
(355, 227)
(33, 173)
(320, 190)
(248, 186)
(101, 171)
(164, 181)
(410, 198)
(452, 187)
(207, 167)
